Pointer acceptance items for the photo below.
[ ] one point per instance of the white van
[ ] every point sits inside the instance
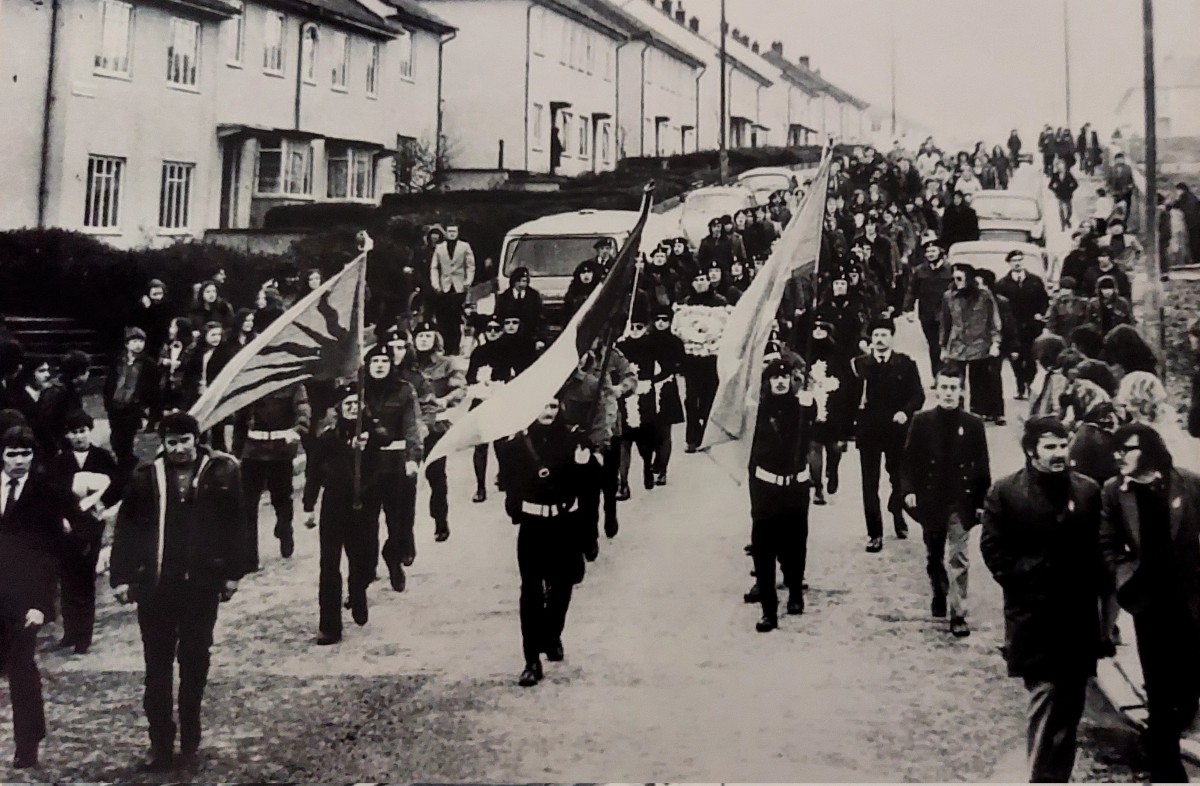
(552, 247)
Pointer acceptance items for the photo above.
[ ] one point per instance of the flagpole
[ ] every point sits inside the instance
(815, 282)
(637, 271)
(364, 245)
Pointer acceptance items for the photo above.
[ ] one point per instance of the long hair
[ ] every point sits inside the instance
(1144, 398)
(1155, 455)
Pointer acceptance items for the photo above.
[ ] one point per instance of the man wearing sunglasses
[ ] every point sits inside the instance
(1150, 539)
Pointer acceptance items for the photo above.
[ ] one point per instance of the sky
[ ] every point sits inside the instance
(969, 69)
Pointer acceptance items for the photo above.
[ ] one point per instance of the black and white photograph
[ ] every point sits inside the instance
(550, 391)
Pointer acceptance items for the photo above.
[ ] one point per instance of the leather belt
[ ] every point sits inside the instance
(395, 444)
(252, 434)
(548, 511)
(780, 480)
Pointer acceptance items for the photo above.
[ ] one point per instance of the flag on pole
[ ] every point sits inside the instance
(743, 344)
(320, 337)
(517, 403)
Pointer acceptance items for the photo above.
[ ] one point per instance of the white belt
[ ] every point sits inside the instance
(780, 480)
(548, 511)
(252, 434)
(396, 444)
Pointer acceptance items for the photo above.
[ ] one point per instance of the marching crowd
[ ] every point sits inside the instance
(1067, 553)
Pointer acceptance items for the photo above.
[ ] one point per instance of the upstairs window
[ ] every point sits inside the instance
(115, 49)
(373, 69)
(308, 54)
(235, 44)
(404, 53)
(273, 44)
(340, 49)
(183, 53)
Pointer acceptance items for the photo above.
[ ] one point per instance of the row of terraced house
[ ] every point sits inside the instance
(144, 121)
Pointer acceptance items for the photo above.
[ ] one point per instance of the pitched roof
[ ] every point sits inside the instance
(413, 13)
(638, 29)
(346, 12)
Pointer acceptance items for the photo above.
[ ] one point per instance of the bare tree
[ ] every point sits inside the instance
(421, 167)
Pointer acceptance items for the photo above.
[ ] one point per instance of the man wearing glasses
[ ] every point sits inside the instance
(1150, 539)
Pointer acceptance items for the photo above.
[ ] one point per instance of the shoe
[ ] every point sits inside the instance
(554, 652)
(25, 758)
(795, 605)
(660, 479)
(831, 483)
(623, 492)
(875, 545)
(938, 607)
(648, 481)
(818, 497)
(531, 676)
(189, 746)
(749, 549)
(752, 596)
(287, 546)
(358, 610)
(901, 527)
(591, 552)
(1107, 650)
(399, 580)
(959, 627)
(766, 624)
(611, 526)
(82, 649)
(480, 495)
(325, 639)
(160, 761)
(1000, 421)
(441, 531)
(409, 559)
(690, 449)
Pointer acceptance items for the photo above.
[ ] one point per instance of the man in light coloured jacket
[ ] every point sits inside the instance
(452, 272)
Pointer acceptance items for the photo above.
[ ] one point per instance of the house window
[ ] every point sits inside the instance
(538, 32)
(606, 142)
(564, 132)
(308, 55)
(404, 49)
(341, 60)
(406, 160)
(175, 195)
(104, 179)
(536, 128)
(608, 62)
(116, 38)
(183, 52)
(273, 46)
(583, 138)
(236, 35)
(284, 166)
(350, 173)
(373, 69)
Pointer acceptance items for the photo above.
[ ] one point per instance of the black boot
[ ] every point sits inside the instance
(767, 624)
(399, 580)
(623, 492)
(480, 494)
(441, 531)
(752, 596)
(532, 674)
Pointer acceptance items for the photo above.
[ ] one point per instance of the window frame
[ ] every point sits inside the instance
(344, 65)
(537, 34)
(175, 196)
(352, 157)
(537, 127)
(310, 56)
(286, 150)
(583, 138)
(236, 58)
(606, 142)
(407, 59)
(100, 54)
(374, 69)
(270, 49)
(565, 134)
(177, 23)
(114, 182)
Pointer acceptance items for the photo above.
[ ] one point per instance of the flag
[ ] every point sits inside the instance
(743, 344)
(517, 403)
(320, 337)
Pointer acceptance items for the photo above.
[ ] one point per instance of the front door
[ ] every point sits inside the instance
(231, 167)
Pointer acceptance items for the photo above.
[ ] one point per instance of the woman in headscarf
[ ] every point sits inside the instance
(1047, 351)
(586, 279)
(681, 260)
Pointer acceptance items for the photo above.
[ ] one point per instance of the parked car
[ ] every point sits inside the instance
(766, 180)
(704, 204)
(552, 247)
(1004, 215)
(990, 255)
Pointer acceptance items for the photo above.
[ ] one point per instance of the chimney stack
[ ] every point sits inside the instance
(680, 14)
(666, 7)
(804, 61)
(694, 24)
(777, 47)
(754, 47)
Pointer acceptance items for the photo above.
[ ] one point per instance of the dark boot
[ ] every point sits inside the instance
(623, 492)
(766, 624)
(287, 543)
(752, 596)
(399, 580)
(938, 607)
(480, 494)
(554, 651)
(532, 675)
(441, 531)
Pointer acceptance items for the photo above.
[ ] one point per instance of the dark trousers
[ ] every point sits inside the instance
(396, 498)
(274, 477)
(1055, 708)
(548, 558)
(124, 425)
(645, 439)
(1023, 365)
(77, 588)
(176, 621)
(700, 388)
(449, 319)
(1168, 642)
(985, 387)
(343, 530)
(662, 448)
(824, 459)
(598, 488)
(479, 458)
(869, 455)
(435, 473)
(933, 338)
(18, 649)
(783, 537)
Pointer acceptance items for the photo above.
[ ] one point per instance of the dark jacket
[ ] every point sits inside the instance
(194, 371)
(1091, 453)
(146, 391)
(283, 410)
(879, 391)
(393, 404)
(1193, 419)
(1107, 314)
(62, 469)
(332, 467)
(218, 546)
(1067, 311)
(946, 466)
(538, 466)
(31, 538)
(1028, 299)
(1121, 540)
(928, 286)
(722, 250)
(1087, 284)
(959, 224)
(528, 309)
(1048, 562)
(782, 435)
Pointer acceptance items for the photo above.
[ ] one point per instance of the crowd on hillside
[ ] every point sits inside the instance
(889, 220)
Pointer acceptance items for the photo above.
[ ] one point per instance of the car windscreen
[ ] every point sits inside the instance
(550, 256)
(1005, 208)
(988, 260)
(714, 205)
(767, 182)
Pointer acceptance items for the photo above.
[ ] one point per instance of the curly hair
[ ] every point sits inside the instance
(1143, 397)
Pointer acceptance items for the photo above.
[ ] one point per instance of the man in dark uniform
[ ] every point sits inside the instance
(606, 252)
(1027, 295)
(888, 389)
(720, 249)
(272, 429)
(178, 552)
(945, 477)
(779, 491)
(542, 469)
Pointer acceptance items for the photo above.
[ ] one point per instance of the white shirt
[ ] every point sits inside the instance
(884, 358)
(81, 457)
(4, 489)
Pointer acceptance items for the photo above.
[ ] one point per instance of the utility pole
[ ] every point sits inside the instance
(1152, 316)
(1067, 56)
(723, 155)
(892, 22)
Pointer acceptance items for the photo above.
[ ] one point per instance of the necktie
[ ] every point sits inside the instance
(12, 497)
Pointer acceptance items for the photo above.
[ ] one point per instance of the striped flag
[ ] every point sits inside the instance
(320, 337)
(518, 403)
(743, 344)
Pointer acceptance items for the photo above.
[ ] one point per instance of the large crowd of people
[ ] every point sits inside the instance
(1067, 554)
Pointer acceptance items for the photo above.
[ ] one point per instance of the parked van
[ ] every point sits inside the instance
(552, 247)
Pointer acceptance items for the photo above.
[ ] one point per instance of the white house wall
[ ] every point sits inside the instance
(24, 58)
